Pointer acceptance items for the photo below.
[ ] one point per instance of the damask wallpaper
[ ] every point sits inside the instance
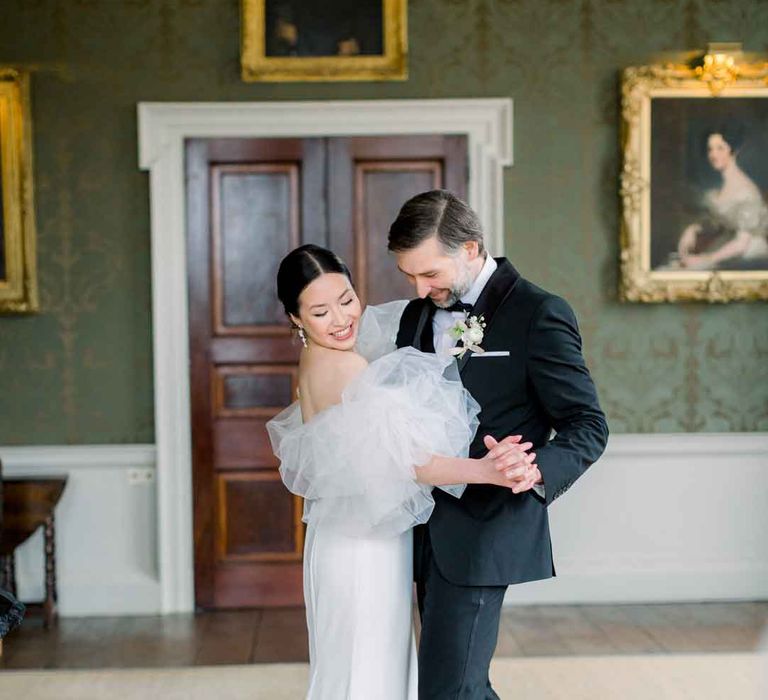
(81, 371)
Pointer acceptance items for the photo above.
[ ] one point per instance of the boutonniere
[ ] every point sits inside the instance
(469, 331)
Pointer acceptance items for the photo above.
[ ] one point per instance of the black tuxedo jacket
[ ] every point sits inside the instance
(491, 536)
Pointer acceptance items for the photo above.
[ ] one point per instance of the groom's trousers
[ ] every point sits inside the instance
(459, 630)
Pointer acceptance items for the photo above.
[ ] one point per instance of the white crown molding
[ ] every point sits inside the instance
(163, 127)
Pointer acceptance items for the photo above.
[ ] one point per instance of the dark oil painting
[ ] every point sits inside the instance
(317, 28)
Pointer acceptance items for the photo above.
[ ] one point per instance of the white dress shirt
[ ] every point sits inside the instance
(443, 320)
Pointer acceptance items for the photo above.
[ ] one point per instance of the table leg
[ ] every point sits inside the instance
(49, 606)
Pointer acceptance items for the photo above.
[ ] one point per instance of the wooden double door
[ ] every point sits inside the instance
(249, 202)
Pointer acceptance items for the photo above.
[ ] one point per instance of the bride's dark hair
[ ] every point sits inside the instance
(300, 267)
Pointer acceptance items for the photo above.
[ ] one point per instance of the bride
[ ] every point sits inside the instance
(373, 431)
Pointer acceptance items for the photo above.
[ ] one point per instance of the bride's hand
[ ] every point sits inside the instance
(509, 464)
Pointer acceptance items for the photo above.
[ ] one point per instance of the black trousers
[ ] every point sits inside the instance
(459, 630)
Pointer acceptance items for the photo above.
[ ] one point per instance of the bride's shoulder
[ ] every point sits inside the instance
(350, 362)
(333, 369)
(324, 378)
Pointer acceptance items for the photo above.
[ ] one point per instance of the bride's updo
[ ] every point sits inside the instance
(300, 267)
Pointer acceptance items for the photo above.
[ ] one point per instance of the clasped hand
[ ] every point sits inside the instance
(510, 463)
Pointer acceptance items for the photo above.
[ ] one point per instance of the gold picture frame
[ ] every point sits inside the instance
(276, 47)
(18, 273)
(671, 116)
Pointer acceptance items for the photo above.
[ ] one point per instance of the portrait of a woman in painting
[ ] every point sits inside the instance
(715, 217)
(734, 230)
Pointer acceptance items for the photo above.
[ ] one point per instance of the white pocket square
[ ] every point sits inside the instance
(491, 353)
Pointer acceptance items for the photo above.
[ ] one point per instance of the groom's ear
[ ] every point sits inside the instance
(472, 248)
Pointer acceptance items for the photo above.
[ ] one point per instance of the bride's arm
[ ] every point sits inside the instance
(491, 469)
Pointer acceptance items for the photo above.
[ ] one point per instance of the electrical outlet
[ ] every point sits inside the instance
(138, 477)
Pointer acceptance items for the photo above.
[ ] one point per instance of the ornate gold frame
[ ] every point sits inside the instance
(18, 289)
(719, 74)
(256, 66)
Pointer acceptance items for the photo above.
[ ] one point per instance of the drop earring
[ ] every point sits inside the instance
(303, 337)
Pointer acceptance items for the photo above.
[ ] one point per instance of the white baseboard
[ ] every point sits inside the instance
(131, 596)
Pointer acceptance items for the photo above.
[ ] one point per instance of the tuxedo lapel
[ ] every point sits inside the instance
(499, 287)
(424, 337)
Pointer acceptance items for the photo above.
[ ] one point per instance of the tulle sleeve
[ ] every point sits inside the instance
(378, 329)
(355, 463)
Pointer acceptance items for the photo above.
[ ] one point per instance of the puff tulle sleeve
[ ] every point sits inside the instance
(355, 462)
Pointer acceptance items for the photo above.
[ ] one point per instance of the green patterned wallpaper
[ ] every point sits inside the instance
(81, 371)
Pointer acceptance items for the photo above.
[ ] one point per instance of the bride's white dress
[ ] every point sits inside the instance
(354, 463)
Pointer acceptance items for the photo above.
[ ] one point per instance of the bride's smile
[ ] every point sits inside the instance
(344, 334)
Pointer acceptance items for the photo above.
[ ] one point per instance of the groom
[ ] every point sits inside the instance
(530, 380)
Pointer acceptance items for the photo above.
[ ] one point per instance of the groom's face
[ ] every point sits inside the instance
(442, 276)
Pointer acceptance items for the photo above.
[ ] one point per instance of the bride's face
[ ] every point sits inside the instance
(719, 152)
(329, 312)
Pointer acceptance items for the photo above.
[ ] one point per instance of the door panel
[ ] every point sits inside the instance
(255, 221)
(244, 533)
(250, 201)
(246, 390)
(243, 444)
(381, 187)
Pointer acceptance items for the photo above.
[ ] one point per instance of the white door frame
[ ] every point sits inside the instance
(163, 128)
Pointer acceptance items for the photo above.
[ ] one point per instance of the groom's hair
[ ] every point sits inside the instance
(435, 213)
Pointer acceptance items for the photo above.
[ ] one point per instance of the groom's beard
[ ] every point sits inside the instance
(464, 281)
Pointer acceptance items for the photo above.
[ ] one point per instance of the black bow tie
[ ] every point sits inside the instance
(459, 306)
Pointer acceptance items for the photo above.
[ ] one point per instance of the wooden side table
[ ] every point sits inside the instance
(29, 503)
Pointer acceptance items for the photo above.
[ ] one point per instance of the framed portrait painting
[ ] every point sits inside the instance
(18, 276)
(694, 184)
(324, 40)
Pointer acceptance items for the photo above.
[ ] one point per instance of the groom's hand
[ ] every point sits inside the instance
(511, 457)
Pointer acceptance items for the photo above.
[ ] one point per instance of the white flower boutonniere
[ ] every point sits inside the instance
(469, 331)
